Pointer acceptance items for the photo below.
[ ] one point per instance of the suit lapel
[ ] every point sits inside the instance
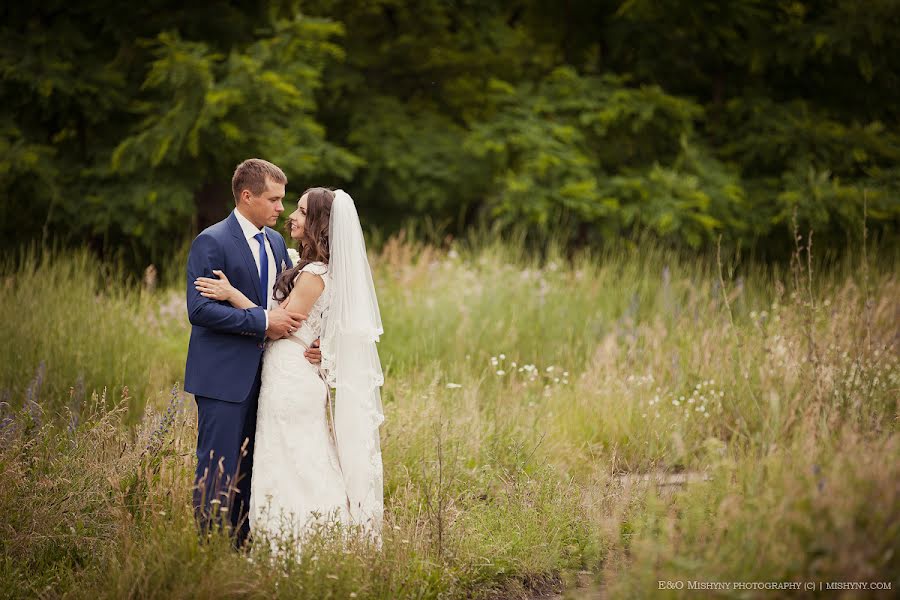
(277, 252)
(243, 249)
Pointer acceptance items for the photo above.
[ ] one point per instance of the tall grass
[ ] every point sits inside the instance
(73, 325)
(520, 390)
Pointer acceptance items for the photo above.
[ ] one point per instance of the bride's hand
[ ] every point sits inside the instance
(215, 289)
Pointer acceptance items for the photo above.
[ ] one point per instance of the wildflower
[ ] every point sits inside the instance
(32, 394)
(161, 431)
(502, 357)
(550, 369)
(453, 386)
(675, 403)
(501, 373)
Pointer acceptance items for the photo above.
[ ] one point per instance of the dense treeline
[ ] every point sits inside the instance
(121, 122)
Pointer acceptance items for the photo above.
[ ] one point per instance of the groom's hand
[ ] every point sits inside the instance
(283, 323)
(313, 354)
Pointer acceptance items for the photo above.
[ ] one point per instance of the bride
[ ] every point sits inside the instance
(315, 462)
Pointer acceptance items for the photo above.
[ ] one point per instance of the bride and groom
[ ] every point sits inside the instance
(274, 455)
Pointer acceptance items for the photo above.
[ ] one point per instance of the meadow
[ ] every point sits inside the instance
(526, 398)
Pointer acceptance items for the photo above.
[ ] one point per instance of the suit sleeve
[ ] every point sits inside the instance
(205, 255)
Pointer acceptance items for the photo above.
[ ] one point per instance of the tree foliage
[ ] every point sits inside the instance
(122, 122)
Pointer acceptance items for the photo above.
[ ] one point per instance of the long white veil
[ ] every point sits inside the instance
(351, 364)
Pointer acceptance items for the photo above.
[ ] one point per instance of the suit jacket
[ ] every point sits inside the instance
(226, 343)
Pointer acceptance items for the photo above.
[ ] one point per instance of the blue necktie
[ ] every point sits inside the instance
(263, 269)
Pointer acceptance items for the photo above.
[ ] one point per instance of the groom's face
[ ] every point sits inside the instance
(265, 208)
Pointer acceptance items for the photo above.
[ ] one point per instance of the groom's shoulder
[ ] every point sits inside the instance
(216, 230)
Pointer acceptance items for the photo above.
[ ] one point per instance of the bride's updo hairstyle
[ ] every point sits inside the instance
(314, 243)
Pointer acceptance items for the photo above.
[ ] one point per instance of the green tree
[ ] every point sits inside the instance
(123, 124)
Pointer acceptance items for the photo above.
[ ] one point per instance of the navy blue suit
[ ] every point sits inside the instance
(223, 368)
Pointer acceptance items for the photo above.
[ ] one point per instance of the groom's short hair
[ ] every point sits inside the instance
(251, 175)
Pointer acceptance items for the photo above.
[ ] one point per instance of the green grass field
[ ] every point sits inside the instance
(522, 398)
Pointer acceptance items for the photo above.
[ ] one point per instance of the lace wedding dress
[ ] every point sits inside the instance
(297, 478)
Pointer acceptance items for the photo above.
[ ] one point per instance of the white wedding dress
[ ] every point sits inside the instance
(297, 477)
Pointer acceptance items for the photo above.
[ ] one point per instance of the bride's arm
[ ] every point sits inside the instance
(307, 290)
(221, 289)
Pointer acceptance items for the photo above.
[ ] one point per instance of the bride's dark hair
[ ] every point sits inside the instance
(314, 243)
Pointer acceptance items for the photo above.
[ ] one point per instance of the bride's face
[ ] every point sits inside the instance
(297, 220)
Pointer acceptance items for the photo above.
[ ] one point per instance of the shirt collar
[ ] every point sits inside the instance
(249, 229)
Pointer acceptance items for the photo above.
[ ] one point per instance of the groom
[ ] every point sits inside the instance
(224, 358)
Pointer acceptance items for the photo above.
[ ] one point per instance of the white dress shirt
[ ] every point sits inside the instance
(250, 231)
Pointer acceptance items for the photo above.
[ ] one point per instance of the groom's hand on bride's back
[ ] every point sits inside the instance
(283, 323)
